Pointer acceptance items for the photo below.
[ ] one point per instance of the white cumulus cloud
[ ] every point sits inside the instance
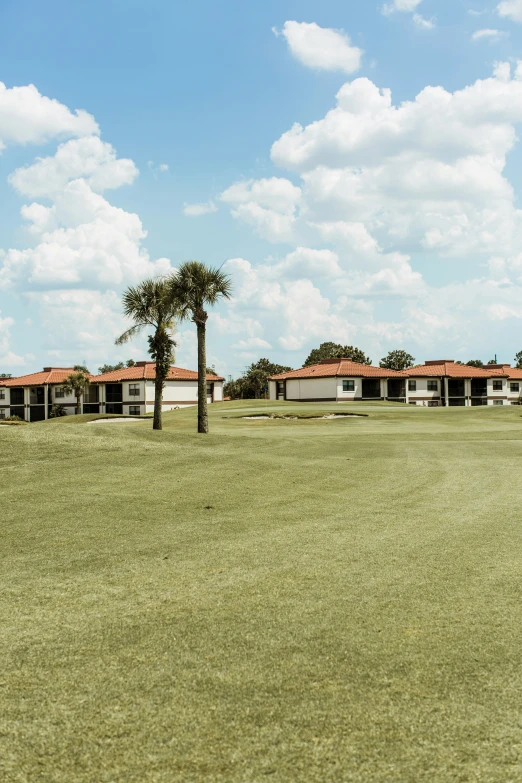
(512, 9)
(380, 183)
(251, 343)
(422, 23)
(27, 117)
(82, 250)
(8, 357)
(89, 158)
(488, 34)
(196, 210)
(321, 47)
(400, 5)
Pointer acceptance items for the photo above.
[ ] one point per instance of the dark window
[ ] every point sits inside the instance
(433, 385)
(412, 385)
(456, 387)
(479, 387)
(37, 396)
(17, 397)
(134, 410)
(515, 387)
(91, 394)
(113, 407)
(348, 386)
(37, 413)
(497, 385)
(134, 390)
(59, 392)
(371, 389)
(280, 387)
(2, 394)
(498, 402)
(2, 413)
(209, 390)
(113, 392)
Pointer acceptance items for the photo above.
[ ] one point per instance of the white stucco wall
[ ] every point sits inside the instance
(311, 389)
(68, 401)
(497, 394)
(4, 402)
(179, 394)
(129, 399)
(422, 391)
(342, 395)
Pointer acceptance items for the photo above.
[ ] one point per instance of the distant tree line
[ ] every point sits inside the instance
(253, 384)
(113, 367)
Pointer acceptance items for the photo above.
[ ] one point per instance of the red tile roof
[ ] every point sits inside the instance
(514, 372)
(147, 371)
(48, 375)
(331, 368)
(449, 369)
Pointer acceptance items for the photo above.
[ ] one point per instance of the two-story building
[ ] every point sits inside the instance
(31, 397)
(435, 383)
(444, 382)
(130, 391)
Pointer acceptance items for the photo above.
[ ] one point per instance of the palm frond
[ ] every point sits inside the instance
(129, 334)
(196, 285)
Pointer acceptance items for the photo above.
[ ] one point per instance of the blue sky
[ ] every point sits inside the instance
(386, 222)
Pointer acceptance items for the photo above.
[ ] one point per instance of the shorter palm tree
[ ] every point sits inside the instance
(76, 383)
(192, 289)
(150, 305)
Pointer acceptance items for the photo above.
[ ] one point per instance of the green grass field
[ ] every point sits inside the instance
(314, 601)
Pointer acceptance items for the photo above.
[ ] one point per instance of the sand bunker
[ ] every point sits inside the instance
(115, 421)
(289, 417)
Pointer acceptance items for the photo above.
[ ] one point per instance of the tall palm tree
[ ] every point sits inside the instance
(76, 383)
(194, 287)
(150, 305)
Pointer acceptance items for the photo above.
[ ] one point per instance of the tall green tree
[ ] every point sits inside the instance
(119, 366)
(76, 383)
(193, 289)
(475, 363)
(150, 306)
(336, 351)
(397, 360)
(254, 381)
(518, 360)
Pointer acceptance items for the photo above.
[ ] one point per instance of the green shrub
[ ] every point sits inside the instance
(12, 420)
(57, 411)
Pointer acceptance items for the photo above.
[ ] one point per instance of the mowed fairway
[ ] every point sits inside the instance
(281, 600)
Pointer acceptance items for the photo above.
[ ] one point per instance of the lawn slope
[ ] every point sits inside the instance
(314, 600)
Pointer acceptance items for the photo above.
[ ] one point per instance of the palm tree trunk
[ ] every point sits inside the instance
(202, 379)
(157, 423)
(78, 404)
